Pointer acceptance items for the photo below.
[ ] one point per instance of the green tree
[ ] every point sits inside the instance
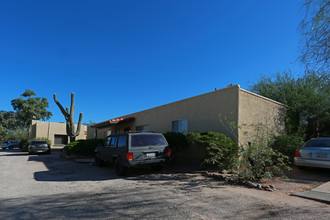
(308, 98)
(8, 121)
(28, 108)
(88, 123)
(315, 35)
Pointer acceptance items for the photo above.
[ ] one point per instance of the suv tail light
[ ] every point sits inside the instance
(297, 154)
(168, 152)
(129, 156)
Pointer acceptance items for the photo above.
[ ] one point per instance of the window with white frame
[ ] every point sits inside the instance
(180, 126)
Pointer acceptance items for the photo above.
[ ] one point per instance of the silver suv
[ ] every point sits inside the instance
(133, 150)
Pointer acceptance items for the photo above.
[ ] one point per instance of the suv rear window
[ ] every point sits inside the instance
(147, 140)
(318, 143)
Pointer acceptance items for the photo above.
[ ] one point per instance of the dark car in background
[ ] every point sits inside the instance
(134, 150)
(36, 147)
(315, 153)
(10, 144)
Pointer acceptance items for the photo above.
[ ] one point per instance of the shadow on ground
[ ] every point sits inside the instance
(116, 204)
(308, 175)
(60, 168)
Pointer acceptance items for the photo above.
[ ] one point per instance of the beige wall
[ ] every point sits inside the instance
(202, 113)
(257, 110)
(50, 129)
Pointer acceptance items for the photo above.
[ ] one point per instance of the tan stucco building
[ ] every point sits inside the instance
(55, 132)
(202, 113)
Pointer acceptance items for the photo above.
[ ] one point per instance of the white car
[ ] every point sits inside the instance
(315, 153)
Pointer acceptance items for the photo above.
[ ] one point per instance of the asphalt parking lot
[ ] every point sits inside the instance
(54, 187)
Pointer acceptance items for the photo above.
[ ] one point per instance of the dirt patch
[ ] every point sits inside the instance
(294, 181)
(299, 180)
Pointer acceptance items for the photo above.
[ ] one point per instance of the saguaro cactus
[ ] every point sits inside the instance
(68, 115)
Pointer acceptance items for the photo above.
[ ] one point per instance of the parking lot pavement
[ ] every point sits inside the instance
(54, 187)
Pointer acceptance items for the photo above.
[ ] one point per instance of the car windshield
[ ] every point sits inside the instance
(147, 140)
(318, 143)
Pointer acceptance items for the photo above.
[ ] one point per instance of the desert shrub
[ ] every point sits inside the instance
(259, 159)
(221, 150)
(24, 143)
(82, 147)
(176, 141)
(288, 144)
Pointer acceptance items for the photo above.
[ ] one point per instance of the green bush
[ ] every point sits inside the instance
(221, 150)
(259, 160)
(17, 134)
(176, 141)
(24, 143)
(82, 147)
(288, 144)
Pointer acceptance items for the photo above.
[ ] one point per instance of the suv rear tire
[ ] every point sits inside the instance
(119, 168)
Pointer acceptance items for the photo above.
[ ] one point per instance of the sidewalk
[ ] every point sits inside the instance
(321, 193)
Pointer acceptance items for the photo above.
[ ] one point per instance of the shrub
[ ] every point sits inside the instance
(221, 150)
(176, 141)
(82, 147)
(288, 144)
(24, 143)
(17, 134)
(259, 160)
(257, 157)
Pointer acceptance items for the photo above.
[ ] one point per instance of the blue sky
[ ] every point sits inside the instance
(121, 57)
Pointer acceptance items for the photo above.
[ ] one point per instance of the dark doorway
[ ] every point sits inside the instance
(60, 140)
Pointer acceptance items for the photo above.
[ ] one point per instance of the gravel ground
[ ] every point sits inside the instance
(53, 187)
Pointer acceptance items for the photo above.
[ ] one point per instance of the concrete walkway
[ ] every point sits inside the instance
(321, 193)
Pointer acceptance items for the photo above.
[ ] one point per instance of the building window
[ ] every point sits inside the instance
(180, 126)
(142, 128)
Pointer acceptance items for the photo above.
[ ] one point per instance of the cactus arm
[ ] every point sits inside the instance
(79, 124)
(72, 104)
(71, 116)
(60, 106)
